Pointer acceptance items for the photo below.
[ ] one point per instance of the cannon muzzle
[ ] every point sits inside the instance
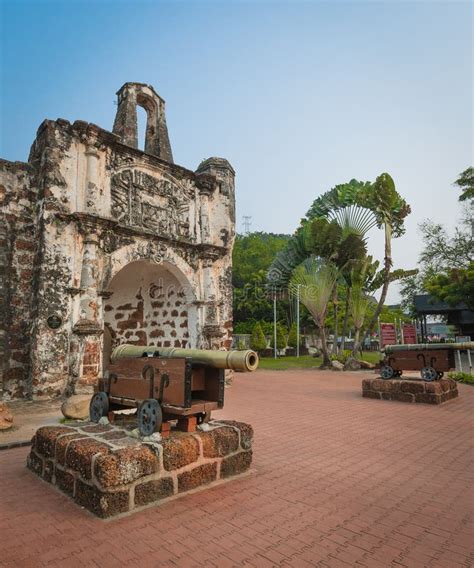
(429, 346)
(237, 360)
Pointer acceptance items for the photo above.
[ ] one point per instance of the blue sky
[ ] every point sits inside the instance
(299, 96)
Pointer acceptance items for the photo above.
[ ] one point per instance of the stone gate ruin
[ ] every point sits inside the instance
(102, 243)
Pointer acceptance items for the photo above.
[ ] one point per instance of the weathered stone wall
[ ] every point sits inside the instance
(85, 208)
(109, 473)
(148, 306)
(18, 247)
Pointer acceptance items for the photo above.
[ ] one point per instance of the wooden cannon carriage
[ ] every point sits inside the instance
(166, 384)
(431, 359)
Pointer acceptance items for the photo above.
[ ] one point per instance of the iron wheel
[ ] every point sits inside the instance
(386, 372)
(99, 406)
(429, 374)
(150, 417)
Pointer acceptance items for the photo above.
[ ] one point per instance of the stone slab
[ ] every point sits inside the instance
(105, 470)
(410, 390)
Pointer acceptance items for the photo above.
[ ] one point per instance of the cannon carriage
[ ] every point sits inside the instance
(166, 384)
(432, 360)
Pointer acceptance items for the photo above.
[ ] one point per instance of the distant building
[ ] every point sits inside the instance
(460, 316)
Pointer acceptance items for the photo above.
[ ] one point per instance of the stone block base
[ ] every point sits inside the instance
(108, 472)
(410, 390)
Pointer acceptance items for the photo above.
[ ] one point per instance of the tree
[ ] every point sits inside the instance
(252, 257)
(466, 182)
(361, 275)
(257, 340)
(253, 254)
(440, 255)
(280, 337)
(316, 280)
(455, 286)
(390, 210)
(293, 336)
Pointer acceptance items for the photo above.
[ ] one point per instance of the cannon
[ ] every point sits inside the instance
(431, 359)
(244, 361)
(166, 384)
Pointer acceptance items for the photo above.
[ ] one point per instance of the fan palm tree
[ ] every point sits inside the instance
(316, 279)
(361, 275)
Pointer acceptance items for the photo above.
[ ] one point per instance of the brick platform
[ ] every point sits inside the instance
(106, 471)
(410, 390)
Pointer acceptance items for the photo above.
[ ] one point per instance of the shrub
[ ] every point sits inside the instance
(281, 337)
(292, 337)
(258, 341)
(466, 378)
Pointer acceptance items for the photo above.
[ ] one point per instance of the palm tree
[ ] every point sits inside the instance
(361, 274)
(316, 280)
(390, 210)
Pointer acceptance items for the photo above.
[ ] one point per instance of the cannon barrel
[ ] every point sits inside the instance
(429, 346)
(236, 360)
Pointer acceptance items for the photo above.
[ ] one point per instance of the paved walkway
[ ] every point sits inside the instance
(339, 481)
(27, 417)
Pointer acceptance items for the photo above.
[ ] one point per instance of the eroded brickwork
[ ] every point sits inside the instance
(101, 243)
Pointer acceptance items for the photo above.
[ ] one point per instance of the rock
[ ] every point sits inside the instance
(6, 417)
(76, 406)
(366, 365)
(352, 364)
(337, 366)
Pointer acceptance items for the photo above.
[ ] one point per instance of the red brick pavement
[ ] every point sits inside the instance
(339, 481)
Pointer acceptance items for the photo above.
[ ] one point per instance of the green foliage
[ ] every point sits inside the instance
(466, 182)
(342, 357)
(293, 336)
(331, 242)
(243, 327)
(258, 341)
(316, 281)
(252, 257)
(305, 361)
(253, 254)
(358, 298)
(441, 254)
(455, 286)
(281, 337)
(465, 378)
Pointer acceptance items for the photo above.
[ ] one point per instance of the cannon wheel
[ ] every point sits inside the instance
(429, 374)
(99, 406)
(150, 417)
(386, 372)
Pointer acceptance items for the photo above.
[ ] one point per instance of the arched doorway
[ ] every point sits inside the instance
(150, 304)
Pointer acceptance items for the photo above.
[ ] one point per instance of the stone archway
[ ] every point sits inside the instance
(150, 304)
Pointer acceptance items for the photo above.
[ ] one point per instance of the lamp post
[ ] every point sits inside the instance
(274, 324)
(298, 320)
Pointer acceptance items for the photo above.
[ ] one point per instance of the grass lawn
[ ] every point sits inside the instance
(305, 361)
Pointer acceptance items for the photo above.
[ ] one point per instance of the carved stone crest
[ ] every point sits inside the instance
(142, 200)
(155, 252)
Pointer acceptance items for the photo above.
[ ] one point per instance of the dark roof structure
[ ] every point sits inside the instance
(459, 315)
